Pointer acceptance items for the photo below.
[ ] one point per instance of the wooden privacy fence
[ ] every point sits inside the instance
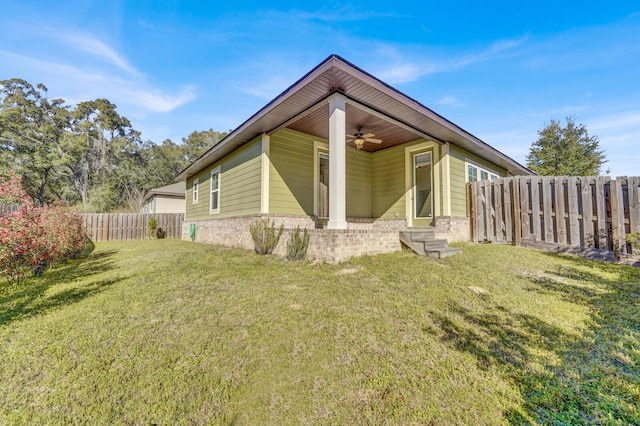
(130, 226)
(587, 212)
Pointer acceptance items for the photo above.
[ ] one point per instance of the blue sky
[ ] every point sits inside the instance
(500, 70)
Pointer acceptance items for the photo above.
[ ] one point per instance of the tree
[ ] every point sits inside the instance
(565, 151)
(197, 143)
(99, 136)
(31, 132)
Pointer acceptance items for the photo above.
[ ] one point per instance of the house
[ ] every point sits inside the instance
(345, 155)
(166, 199)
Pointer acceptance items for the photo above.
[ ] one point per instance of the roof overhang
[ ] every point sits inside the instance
(391, 115)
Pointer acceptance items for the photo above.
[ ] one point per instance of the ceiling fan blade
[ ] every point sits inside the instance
(373, 140)
(368, 135)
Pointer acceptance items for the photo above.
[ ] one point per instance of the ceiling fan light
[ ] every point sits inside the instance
(359, 142)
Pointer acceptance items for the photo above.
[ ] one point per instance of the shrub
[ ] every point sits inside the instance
(265, 237)
(152, 225)
(31, 238)
(634, 240)
(298, 244)
(161, 233)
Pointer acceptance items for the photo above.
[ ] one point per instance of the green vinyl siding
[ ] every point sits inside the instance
(240, 174)
(292, 180)
(388, 182)
(358, 183)
(291, 177)
(458, 182)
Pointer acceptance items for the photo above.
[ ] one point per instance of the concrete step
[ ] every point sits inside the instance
(417, 246)
(422, 235)
(443, 252)
(434, 244)
(423, 243)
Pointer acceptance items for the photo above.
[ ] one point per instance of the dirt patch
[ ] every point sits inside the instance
(349, 270)
(477, 290)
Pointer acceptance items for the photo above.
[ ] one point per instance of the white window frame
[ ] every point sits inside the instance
(491, 175)
(195, 189)
(215, 171)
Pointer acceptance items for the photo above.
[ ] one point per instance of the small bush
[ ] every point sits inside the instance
(265, 237)
(298, 244)
(161, 233)
(152, 225)
(634, 240)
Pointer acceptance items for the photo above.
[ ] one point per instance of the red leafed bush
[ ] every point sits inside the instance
(31, 238)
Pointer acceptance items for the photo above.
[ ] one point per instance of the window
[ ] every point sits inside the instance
(472, 173)
(475, 173)
(214, 206)
(195, 191)
(422, 183)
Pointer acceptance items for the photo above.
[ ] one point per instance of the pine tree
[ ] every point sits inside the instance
(565, 151)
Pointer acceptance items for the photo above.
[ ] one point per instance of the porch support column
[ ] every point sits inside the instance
(337, 163)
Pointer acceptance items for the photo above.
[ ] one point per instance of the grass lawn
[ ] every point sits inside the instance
(172, 332)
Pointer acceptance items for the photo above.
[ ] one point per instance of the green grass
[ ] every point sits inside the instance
(172, 332)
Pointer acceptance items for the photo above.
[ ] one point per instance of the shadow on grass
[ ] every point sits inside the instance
(564, 378)
(29, 298)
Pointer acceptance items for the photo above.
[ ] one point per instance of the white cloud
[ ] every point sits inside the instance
(450, 101)
(76, 85)
(154, 100)
(87, 43)
(145, 24)
(616, 121)
(403, 71)
(69, 71)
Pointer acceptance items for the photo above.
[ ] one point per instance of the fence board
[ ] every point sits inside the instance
(508, 211)
(496, 190)
(634, 204)
(535, 208)
(587, 212)
(517, 215)
(524, 208)
(547, 208)
(617, 225)
(601, 213)
(130, 226)
(574, 224)
(560, 202)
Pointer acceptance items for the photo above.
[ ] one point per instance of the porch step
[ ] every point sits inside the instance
(443, 252)
(423, 235)
(424, 243)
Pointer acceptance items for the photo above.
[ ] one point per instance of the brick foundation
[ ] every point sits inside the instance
(453, 228)
(362, 236)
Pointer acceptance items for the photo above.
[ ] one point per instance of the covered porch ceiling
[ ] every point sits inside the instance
(379, 108)
(316, 123)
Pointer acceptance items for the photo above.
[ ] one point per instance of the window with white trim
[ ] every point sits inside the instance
(195, 191)
(214, 203)
(475, 173)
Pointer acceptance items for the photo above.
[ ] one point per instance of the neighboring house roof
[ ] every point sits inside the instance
(393, 116)
(174, 190)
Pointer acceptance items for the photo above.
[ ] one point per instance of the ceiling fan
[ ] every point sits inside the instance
(359, 138)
